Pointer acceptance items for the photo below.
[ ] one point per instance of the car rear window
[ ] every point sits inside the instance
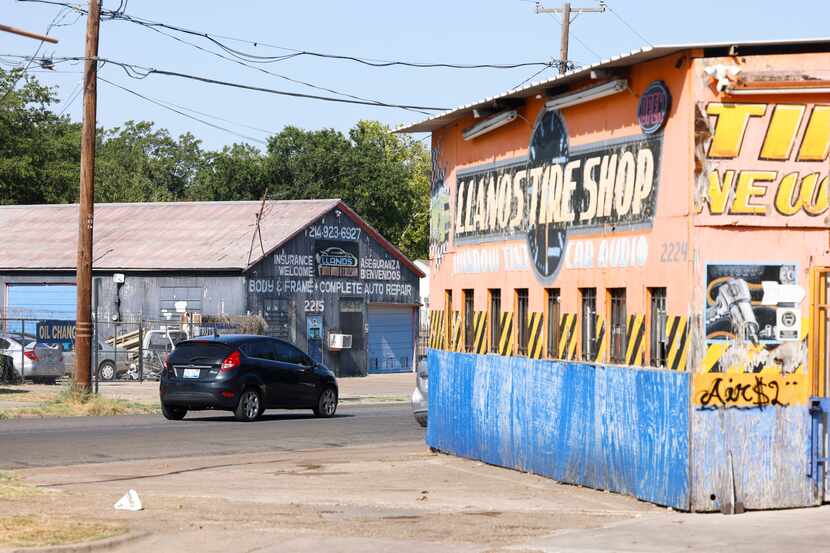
(209, 353)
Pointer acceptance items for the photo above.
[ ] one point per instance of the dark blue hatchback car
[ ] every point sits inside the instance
(245, 374)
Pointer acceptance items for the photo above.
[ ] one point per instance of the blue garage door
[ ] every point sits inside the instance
(391, 339)
(28, 303)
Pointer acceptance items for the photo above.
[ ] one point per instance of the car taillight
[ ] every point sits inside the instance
(31, 355)
(231, 362)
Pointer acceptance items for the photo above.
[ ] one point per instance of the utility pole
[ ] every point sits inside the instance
(83, 318)
(566, 10)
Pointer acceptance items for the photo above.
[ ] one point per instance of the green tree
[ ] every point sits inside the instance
(39, 150)
(138, 163)
(235, 173)
(382, 176)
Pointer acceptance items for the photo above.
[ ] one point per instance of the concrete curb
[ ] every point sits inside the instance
(374, 399)
(85, 547)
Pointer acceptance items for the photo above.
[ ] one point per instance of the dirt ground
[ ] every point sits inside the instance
(404, 495)
(398, 497)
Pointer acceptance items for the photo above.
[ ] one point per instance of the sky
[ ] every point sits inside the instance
(429, 31)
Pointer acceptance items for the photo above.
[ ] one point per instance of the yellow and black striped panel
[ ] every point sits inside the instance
(480, 332)
(436, 329)
(711, 360)
(635, 333)
(506, 337)
(602, 343)
(567, 337)
(536, 338)
(677, 341)
(457, 336)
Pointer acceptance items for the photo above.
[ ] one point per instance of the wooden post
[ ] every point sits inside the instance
(566, 31)
(83, 328)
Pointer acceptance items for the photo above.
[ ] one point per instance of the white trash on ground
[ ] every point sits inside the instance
(130, 502)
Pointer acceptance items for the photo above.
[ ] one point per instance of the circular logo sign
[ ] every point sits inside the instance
(545, 242)
(788, 318)
(653, 108)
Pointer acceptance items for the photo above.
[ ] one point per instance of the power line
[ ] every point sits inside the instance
(72, 97)
(13, 85)
(294, 52)
(574, 35)
(531, 77)
(164, 105)
(624, 22)
(261, 70)
(139, 72)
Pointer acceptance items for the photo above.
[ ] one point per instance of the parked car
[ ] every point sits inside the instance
(420, 397)
(245, 374)
(113, 362)
(41, 362)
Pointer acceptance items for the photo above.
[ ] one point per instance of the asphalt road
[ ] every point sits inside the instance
(65, 441)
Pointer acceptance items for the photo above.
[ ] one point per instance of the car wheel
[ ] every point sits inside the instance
(326, 403)
(248, 408)
(51, 381)
(106, 371)
(173, 413)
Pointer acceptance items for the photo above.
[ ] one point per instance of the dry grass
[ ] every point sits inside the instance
(31, 531)
(29, 393)
(71, 403)
(12, 488)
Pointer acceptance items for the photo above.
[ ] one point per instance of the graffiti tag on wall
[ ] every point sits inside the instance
(765, 164)
(743, 390)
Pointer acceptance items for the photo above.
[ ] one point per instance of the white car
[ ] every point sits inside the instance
(40, 362)
(420, 397)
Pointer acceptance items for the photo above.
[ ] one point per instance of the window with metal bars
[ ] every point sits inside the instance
(495, 319)
(521, 319)
(657, 326)
(554, 314)
(616, 299)
(469, 316)
(588, 323)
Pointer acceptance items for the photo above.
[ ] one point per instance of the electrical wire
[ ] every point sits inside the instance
(558, 20)
(531, 77)
(72, 97)
(58, 16)
(139, 72)
(294, 52)
(183, 114)
(237, 123)
(267, 72)
(624, 22)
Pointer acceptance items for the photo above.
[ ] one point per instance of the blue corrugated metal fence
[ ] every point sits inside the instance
(620, 429)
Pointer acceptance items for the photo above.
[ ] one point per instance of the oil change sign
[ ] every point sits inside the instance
(54, 332)
(559, 191)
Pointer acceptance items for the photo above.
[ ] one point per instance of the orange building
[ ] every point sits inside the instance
(629, 275)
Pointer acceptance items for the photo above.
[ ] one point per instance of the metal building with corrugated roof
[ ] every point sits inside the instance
(316, 272)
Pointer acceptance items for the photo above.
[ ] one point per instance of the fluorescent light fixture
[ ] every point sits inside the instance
(784, 90)
(491, 124)
(588, 95)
